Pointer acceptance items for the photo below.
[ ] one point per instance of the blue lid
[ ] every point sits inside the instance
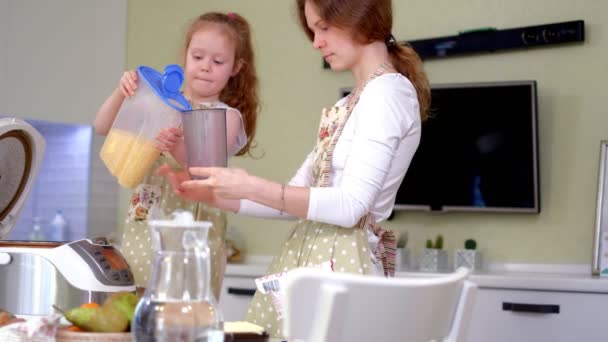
(166, 85)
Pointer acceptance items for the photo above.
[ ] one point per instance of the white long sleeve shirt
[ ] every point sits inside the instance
(369, 161)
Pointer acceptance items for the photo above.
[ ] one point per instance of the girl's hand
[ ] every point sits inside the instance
(228, 183)
(177, 178)
(128, 83)
(169, 140)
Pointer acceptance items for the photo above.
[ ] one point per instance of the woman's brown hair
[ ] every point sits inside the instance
(370, 21)
(241, 91)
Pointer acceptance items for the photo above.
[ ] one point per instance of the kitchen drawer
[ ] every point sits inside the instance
(237, 293)
(522, 315)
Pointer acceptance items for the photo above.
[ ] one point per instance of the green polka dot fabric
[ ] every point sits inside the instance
(309, 244)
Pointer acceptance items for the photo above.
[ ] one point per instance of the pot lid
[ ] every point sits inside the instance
(21, 152)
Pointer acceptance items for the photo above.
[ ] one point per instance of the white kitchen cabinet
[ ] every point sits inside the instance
(534, 302)
(238, 286)
(237, 293)
(524, 315)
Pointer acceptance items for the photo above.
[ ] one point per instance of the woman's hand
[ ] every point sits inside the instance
(196, 190)
(169, 140)
(128, 83)
(228, 183)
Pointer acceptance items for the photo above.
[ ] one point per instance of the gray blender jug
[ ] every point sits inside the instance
(205, 137)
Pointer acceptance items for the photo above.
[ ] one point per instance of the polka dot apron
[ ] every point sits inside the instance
(312, 243)
(154, 199)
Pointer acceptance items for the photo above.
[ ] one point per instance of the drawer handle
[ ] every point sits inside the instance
(241, 292)
(534, 308)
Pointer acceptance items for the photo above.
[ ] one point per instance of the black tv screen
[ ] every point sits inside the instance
(478, 151)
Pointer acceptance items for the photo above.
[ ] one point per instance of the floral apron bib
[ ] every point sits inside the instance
(311, 243)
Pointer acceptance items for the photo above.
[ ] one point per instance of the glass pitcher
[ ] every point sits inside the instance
(178, 304)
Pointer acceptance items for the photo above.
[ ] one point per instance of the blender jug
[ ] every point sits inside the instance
(130, 148)
(178, 304)
(205, 137)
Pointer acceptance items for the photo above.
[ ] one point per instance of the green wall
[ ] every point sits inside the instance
(294, 88)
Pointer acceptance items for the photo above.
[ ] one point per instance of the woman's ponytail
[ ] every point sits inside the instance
(408, 63)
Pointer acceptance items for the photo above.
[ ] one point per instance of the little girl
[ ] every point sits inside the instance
(219, 71)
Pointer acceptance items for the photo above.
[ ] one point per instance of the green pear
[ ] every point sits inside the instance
(102, 319)
(81, 317)
(124, 302)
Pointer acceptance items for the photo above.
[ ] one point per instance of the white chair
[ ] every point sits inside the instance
(325, 306)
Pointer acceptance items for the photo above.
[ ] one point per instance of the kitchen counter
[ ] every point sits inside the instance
(252, 266)
(552, 277)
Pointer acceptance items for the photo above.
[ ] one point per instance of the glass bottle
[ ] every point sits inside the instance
(178, 304)
(37, 234)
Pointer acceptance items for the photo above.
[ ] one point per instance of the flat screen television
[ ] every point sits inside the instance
(478, 151)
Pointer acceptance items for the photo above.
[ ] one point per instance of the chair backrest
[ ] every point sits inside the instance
(325, 306)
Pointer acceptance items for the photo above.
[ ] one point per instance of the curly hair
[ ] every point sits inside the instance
(241, 91)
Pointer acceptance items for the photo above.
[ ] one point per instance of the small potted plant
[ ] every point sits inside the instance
(402, 259)
(434, 257)
(468, 257)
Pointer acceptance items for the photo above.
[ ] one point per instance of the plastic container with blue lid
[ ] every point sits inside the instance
(130, 147)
